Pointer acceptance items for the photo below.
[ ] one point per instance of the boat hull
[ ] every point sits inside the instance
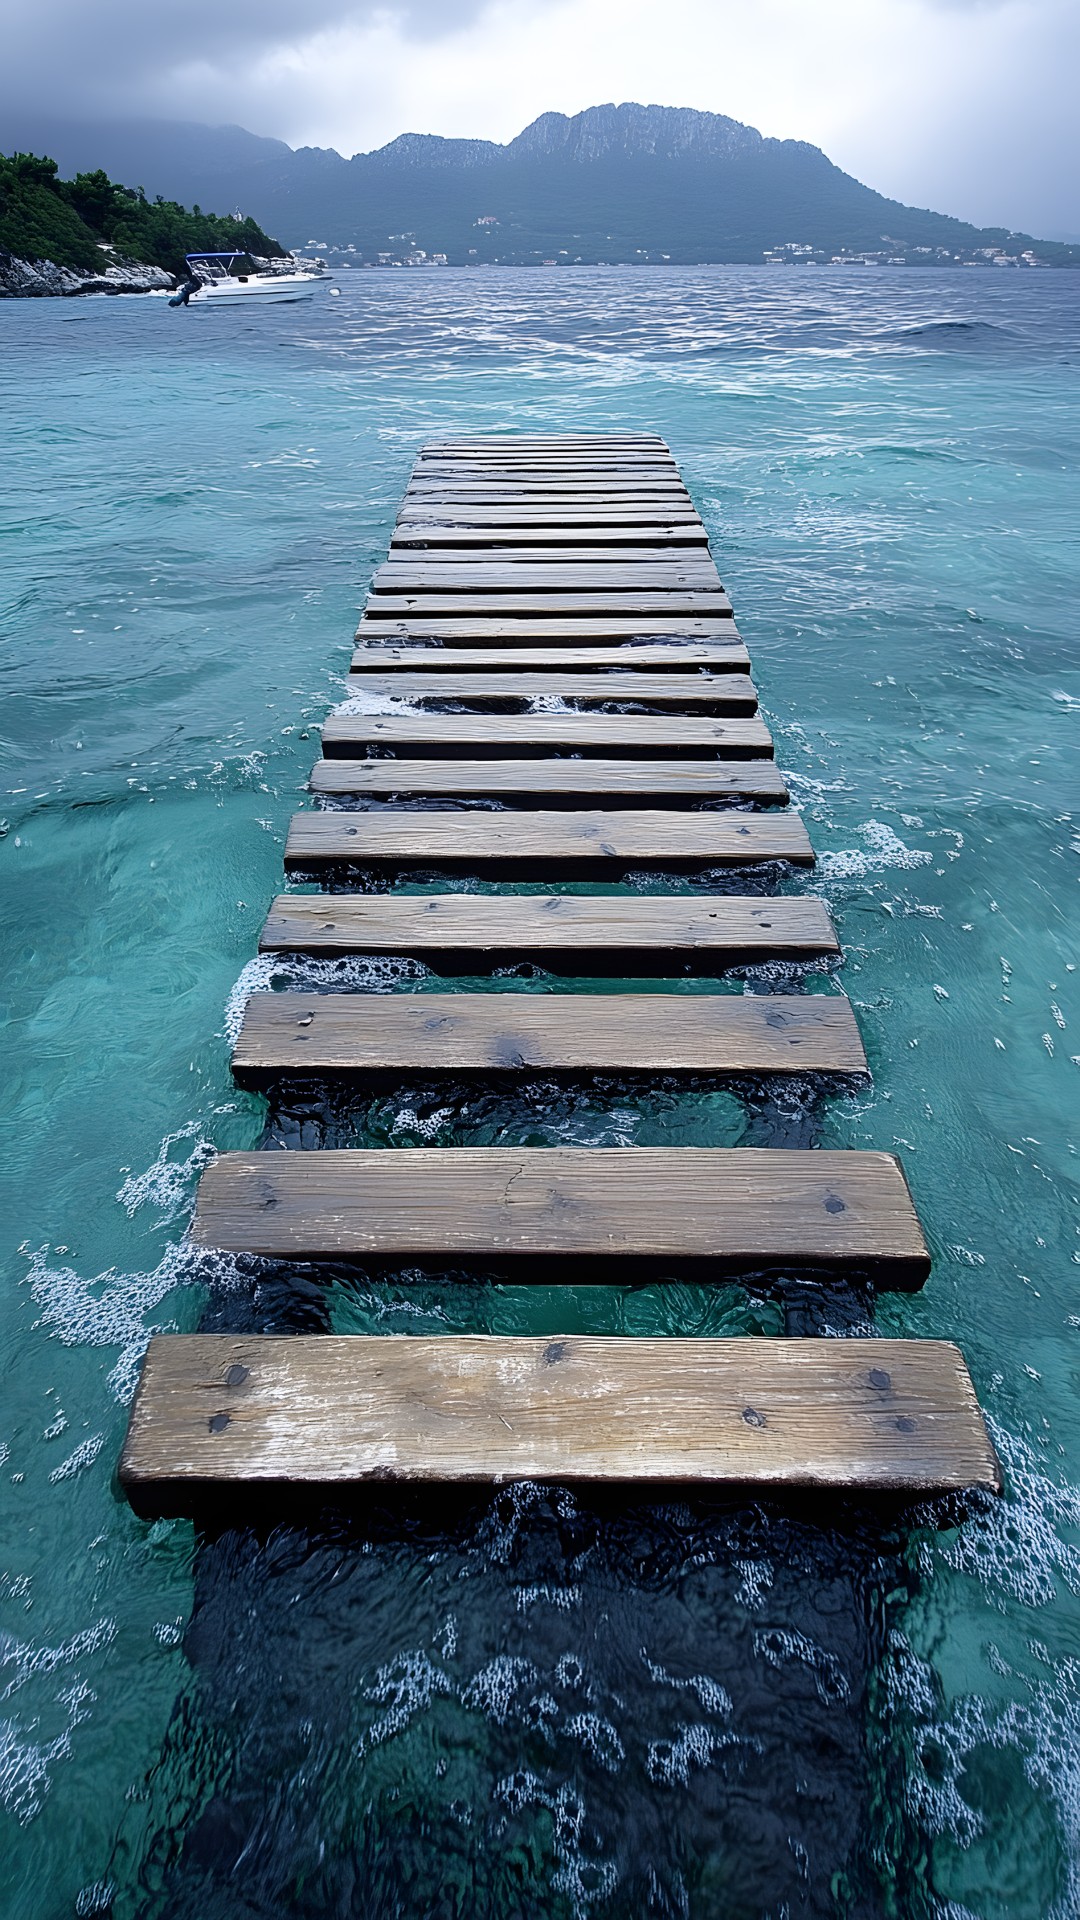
(247, 293)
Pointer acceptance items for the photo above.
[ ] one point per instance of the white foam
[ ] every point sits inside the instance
(585, 1881)
(599, 1739)
(780, 1646)
(409, 1121)
(25, 1763)
(562, 1598)
(94, 1899)
(353, 972)
(110, 1309)
(1022, 1551)
(668, 1763)
(168, 1184)
(407, 1684)
(84, 1456)
(713, 1697)
(1019, 1546)
(1043, 1728)
(884, 849)
(494, 1689)
(362, 702)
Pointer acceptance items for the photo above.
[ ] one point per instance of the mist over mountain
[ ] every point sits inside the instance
(614, 184)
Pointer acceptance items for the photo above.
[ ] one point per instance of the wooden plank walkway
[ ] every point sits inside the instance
(564, 782)
(724, 692)
(478, 627)
(559, 527)
(563, 577)
(551, 842)
(334, 1411)
(558, 542)
(685, 659)
(541, 604)
(542, 733)
(346, 1034)
(531, 569)
(676, 934)
(496, 566)
(734, 1209)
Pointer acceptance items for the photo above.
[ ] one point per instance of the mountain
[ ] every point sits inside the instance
(616, 183)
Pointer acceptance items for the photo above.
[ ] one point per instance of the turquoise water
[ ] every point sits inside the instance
(532, 1706)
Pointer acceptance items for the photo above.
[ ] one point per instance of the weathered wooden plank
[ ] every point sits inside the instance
(687, 692)
(614, 436)
(559, 576)
(566, 542)
(677, 557)
(564, 469)
(527, 450)
(536, 491)
(546, 842)
(544, 443)
(567, 474)
(507, 733)
(734, 1208)
(557, 782)
(663, 934)
(496, 1034)
(550, 446)
(216, 1413)
(482, 627)
(589, 464)
(675, 657)
(548, 520)
(667, 475)
(683, 605)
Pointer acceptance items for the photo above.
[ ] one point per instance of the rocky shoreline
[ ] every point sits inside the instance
(44, 280)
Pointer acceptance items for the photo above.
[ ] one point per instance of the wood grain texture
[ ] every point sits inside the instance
(648, 462)
(484, 628)
(722, 693)
(629, 437)
(543, 520)
(527, 453)
(505, 733)
(736, 1208)
(720, 656)
(243, 1411)
(664, 556)
(537, 492)
(494, 574)
(429, 536)
(616, 930)
(557, 782)
(681, 605)
(552, 478)
(546, 841)
(501, 1034)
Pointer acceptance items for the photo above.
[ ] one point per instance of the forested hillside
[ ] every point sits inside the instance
(67, 221)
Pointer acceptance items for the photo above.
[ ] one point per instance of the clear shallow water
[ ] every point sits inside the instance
(533, 1705)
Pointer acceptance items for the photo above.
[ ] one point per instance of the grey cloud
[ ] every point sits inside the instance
(116, 56)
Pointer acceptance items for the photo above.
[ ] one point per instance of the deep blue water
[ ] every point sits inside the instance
(533, 1705)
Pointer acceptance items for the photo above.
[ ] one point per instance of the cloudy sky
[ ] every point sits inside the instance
(965, 105)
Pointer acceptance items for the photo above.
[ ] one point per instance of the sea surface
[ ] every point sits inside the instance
(534, 1704)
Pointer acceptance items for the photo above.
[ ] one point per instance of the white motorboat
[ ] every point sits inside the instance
(213, 280)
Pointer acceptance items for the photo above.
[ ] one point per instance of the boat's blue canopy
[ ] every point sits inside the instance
(238, 253)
